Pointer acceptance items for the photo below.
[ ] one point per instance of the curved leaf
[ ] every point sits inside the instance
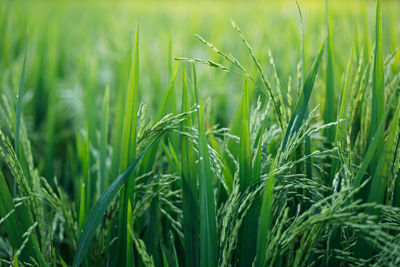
(97, 213)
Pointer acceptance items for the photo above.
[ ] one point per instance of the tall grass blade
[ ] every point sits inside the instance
(302, 104)
(380, 180)
(125, 241)
(208, 224)
(264, 223)
(246, 178)
(378, 92)
(330, 109)
(104, 140)
(52, 101)
(118, 125)
(97, 213)
(307, 143)
(245, 166)
(190, 192)
(148, 160)
(372, 147)
(18, 112)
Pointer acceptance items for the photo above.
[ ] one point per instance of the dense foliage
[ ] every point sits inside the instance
(127, 141)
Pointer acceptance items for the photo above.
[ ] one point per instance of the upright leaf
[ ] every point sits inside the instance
(307, 143)
(246, 178)
(379, 183)
(302, 104)
(264, 223)
(378, 91)
(125, 241)
(18, 111)
(371, 151)
(208, 224)
(149, 158)
(330, 109)
(103, 140)
(245, 168)
(190, 192)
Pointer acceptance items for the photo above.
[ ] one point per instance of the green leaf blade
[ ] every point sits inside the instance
(190, 194)
(208, 224)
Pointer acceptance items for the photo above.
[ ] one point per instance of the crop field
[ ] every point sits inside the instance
(200, 133)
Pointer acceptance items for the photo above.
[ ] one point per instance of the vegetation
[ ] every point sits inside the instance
(127, 141)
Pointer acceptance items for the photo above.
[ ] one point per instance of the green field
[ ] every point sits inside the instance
(200, 133)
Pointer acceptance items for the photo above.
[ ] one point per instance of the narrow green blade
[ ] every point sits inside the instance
(379, 181)
(208, 224)
(246, 178)
(190, 192)
(264, 223)
(245, 168)
(125, 241)
(372, 146)
(302, 104)
(104, 140)
(97, 213)
(18, 111)
(149, 158)
(378, 91)
(330, 109)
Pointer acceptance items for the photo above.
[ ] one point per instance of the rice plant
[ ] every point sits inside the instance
(133, 135)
